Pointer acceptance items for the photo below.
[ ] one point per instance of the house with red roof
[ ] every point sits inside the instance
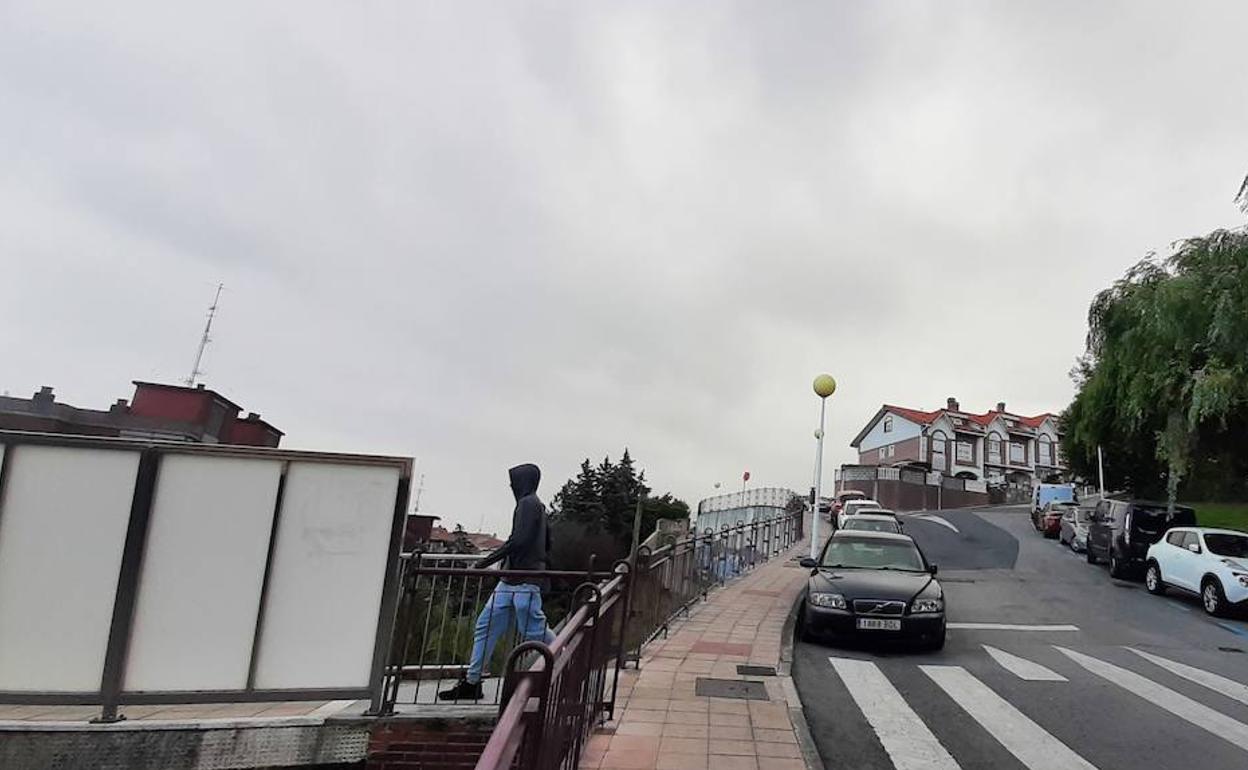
(997, 446)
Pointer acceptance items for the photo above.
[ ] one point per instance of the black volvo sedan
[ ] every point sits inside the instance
(876, 584)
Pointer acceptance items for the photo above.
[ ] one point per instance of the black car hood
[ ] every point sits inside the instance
(873, 584)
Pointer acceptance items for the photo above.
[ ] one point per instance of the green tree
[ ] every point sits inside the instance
(1163, 385)
(602, 500)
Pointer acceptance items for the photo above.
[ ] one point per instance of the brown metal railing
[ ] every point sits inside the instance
(549, 708)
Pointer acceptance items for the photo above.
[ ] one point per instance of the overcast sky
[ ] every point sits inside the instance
(480, 235)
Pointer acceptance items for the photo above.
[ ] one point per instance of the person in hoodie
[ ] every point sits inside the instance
(520, 599)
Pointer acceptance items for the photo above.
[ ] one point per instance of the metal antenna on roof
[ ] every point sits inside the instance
(204, 340)
(419, 490)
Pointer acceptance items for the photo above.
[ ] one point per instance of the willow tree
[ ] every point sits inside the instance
(1163, 384)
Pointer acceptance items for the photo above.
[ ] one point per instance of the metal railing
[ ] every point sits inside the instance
(549, 708)
(667, 580)
(441, 598)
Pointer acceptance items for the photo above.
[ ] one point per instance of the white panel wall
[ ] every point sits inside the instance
(902, 429)
(326, 579)
(63, 519)
(202, 573)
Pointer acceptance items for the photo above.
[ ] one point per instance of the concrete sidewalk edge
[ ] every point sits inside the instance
(797, 712)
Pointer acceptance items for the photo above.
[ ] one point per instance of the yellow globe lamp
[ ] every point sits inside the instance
(825, 385)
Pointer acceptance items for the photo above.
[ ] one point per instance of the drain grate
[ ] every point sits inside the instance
(730, 688)
(748, 670)
(1223, 649)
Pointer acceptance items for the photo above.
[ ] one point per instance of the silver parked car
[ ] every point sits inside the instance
(1074, 531)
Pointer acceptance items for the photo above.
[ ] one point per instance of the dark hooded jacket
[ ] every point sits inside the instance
(528, 546)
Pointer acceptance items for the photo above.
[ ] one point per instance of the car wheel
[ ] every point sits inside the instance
(1115, 566)
(1152, 580)
(1212, 598)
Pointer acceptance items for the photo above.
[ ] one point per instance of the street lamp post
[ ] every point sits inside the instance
(824, 386)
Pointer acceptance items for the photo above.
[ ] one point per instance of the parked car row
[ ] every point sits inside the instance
(1158, 542)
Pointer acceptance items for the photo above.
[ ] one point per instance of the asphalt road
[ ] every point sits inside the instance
(1077, 698)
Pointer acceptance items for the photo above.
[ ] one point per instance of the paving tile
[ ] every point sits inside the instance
(686, 730)
(766, 735)
(730, 733)
(629, 759)
(729, 706)
(787, 750)
(699, 705)
(644, 715)
(683, 746)
(734, 763)
(648, 704)
(730, 720)
(732, 747)
(640, 728)
(682, 762)
(778, 763)
(772, 721)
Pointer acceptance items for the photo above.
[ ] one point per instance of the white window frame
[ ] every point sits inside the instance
(888, 423)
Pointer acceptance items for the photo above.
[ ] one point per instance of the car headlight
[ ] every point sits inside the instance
(927, 605)
(1242, 577)
(832, 601)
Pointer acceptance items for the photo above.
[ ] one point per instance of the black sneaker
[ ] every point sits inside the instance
(463, 690)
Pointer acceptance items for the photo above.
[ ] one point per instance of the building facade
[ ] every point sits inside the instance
(157, 411)
(997, 446)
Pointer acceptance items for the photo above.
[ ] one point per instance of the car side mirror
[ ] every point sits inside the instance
(1193, 548)
(808, 562)
(932, 568)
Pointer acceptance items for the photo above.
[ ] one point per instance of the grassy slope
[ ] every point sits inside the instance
(1227, 515)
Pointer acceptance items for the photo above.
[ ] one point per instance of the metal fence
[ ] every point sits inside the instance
(549, 708)
(442, 596)
(667, 580)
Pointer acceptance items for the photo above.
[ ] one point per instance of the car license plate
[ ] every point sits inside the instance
(879, 624)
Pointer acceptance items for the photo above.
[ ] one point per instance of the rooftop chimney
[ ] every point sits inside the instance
(121, 406)
(952, 404)
(200, 386)
(253, 416)
(44, 398)
(1000, 406)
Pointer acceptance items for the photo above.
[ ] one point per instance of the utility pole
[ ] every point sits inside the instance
(204, 340)
(1100, 469)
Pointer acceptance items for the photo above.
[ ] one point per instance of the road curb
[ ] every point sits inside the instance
(797, 712)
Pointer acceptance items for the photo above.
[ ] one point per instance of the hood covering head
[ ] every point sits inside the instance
(524, 479)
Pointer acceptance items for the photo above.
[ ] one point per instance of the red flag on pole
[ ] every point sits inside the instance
(745, 476)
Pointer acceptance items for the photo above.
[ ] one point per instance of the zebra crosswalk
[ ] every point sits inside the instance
(914, 742)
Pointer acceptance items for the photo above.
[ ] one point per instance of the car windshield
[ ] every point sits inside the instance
(1235, 546)
(872, 525)
(1084, 515)
(872, 554)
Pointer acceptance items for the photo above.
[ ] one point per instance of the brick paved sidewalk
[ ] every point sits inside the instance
(663, 725)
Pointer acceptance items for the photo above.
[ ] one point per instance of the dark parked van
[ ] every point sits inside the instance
(1121, 531)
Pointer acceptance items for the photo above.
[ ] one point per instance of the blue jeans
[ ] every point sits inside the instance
(524, 601)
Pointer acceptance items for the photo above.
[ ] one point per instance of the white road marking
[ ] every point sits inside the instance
(1011, 627)
(937, 520)
(1031, 743)
(1235, 732)
(1228, 687)
(909, 743)
(1023, 668)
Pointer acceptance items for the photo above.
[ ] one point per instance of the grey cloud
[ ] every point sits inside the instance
(483, 234)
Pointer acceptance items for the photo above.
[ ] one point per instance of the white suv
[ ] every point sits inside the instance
(855, 506)
(1211, 563)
